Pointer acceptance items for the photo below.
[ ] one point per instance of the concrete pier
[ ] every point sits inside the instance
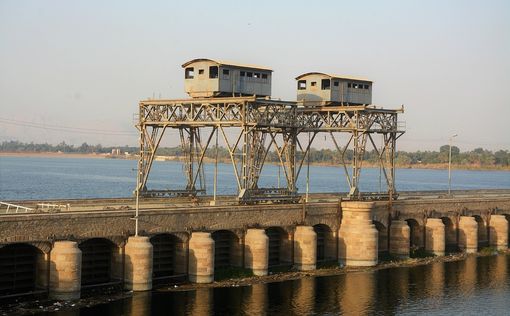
(138, 256)
(201, 258)
(305, 248)
(498, 232)
(435, 236)
(357, 235)
(400, 233)
(468, 234)
(256, 245)
(65, 271)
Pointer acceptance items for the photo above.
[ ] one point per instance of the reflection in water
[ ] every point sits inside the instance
(356, 293)
(256, 300)
(304, 296)
(472, 286)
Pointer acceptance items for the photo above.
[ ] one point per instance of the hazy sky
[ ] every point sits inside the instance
(87, 64)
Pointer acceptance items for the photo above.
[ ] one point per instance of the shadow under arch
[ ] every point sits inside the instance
(326, 243)
(228, 250)
(168, 258)
(417, 231)
(451, 244)
(280, 247)
(97, 266)
(382, 237)
(23, 269)
(483, 235)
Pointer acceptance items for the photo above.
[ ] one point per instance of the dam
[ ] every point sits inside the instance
(87, 243)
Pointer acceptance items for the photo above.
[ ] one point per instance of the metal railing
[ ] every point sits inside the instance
(16, 208)
(49, 206)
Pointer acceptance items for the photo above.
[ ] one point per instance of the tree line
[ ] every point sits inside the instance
(475, 157)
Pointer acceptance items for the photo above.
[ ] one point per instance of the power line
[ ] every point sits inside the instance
(67, 129)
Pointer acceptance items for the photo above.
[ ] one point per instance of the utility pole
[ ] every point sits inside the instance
(450, 164)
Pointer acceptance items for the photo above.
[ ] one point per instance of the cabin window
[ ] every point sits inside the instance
(200, 71)
(213, 72)
(336, 83)
(189, 73)
(249, 74)
(313, 83)
(264, 76)
(226, 74)
(349, 85)
(325, 84)
(301, 85)
(256, 75)
(366, 86)
(242, 74)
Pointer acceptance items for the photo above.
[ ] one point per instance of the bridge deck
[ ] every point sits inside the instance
(125, 204)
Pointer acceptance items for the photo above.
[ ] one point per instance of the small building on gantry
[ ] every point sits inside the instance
(317, 88)
(205, 78)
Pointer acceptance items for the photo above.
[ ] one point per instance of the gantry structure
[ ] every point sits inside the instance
(250, 128)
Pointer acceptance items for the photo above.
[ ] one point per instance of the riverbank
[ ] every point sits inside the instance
(293, 275)
(438, 166)
(105, 296)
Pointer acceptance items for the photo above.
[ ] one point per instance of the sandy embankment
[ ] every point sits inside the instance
(208, 160)
(51, 155)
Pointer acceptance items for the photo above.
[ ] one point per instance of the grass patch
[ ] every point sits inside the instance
(387, 257)
(489, 251)
(280, 269)
(421, 253)
(327, 264)
(232, 273)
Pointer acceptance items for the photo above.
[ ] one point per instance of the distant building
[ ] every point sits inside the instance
(316, 88)
(205, 78)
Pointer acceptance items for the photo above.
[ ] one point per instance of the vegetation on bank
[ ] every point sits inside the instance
(474, 159)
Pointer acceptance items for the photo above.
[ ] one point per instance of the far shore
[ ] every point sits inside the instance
(369, 165)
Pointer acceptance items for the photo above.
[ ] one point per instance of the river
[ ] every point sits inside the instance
(66, 178)
(475, 286)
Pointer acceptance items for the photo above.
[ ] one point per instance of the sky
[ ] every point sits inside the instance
(79, 68)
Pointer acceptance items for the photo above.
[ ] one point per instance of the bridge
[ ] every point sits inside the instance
(163, 235)
(85, 243)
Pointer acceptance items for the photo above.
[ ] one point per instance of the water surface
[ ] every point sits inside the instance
(475, 286)
(59, 178)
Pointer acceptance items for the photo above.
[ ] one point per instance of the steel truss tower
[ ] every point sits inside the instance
(259, 126)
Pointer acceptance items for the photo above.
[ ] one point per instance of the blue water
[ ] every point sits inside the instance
(58, 178)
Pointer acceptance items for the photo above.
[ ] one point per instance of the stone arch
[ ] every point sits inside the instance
(99, 263)
(228, 251)
(326, 243)
(417, 232)
(168, 259)
(22, 269)
(280, 247)
(118, 241)
(483, 236)
(43, 246)
(382, 233)
(450, 234)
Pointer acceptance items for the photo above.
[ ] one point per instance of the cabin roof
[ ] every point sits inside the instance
(333, 76)
(226, 63)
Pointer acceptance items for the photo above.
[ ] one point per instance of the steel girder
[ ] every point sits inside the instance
(263, 125)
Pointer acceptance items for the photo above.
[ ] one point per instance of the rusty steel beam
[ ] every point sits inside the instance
(263, 125)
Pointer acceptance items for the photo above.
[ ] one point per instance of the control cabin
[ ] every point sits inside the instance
(316, 88)
(205, 78)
